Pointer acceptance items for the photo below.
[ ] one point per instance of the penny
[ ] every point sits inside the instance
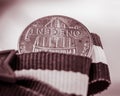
(56, 33)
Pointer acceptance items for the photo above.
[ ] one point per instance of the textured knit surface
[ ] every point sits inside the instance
(66, 82)
(52, 61)
(15, 90)
(68, 70)
(99, 77)
(47, 74)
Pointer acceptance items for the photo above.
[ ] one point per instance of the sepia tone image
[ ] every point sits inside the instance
(59, 47)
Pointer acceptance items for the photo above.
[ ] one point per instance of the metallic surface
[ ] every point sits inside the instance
(56, 34)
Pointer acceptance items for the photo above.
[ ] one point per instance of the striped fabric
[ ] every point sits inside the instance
(99, 77)
(56, 74)
(62, 71)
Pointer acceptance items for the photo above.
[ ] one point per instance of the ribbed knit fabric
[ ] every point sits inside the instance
(64, 72)
(52, 61)
(55, 74)
(39, 87)
(28, 87)
(65, 82)
(7, 89)
(99, 77)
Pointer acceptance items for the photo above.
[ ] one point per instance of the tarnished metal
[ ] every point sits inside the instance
(56, 34)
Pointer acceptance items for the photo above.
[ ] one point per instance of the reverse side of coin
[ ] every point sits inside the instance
(56, 33)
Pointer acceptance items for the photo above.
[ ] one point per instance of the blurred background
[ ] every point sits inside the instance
(99, 16)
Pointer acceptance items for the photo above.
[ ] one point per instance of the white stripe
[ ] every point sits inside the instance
(98, 55)
(68, 82)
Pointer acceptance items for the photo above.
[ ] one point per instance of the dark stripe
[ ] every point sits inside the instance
(30, 87)
(39, 87)
(96, 40)
(52, 61)
(99, 78)
(7, 89)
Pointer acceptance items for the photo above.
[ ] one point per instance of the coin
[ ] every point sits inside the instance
(56, 33)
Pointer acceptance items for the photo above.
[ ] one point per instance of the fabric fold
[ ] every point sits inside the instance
(99, 76)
